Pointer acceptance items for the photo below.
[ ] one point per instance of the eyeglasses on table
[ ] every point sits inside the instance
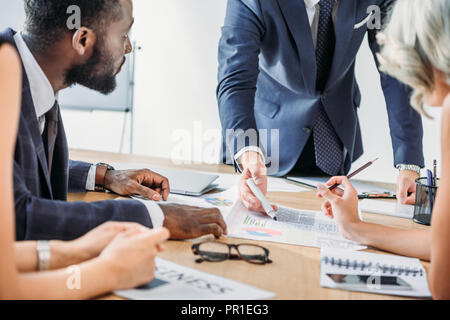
(214, 251)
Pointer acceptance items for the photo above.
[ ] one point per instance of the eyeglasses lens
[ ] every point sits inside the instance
(213, 251)
(252, 254)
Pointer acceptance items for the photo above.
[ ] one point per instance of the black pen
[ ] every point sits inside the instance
(368, 164)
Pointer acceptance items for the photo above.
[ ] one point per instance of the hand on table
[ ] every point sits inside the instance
(145, 183)
(253, 168)
(186, 222)
(406, 182)
(131, 256)
(92, 243)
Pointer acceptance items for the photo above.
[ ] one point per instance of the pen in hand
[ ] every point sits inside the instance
(368, 164)
(260, 196)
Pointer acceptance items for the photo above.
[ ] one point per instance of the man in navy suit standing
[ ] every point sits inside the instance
(55, 57)
(287, 91)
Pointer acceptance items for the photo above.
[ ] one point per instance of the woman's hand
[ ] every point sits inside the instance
(130, 257)
(342, 205)
(65, 253)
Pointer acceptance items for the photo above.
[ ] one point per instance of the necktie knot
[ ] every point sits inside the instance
(52, 114)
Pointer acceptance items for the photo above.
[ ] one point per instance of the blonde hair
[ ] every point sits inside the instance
(415, 42)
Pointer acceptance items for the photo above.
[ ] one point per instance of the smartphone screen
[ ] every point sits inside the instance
(370, 282)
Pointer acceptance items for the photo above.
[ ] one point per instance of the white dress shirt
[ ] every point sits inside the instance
(313, 11)
(42, 93)
(44, 98)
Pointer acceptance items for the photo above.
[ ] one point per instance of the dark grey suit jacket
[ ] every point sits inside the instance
(42, 210)
(267, 83)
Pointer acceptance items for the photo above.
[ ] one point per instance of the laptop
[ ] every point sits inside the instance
(188, 183)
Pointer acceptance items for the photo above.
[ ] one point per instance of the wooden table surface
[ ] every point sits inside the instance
(295, 271)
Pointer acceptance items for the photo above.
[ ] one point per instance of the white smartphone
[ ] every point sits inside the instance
(371, 282)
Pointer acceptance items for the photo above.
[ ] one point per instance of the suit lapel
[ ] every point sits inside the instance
(344, 33)
(294, 12)
(30, 116)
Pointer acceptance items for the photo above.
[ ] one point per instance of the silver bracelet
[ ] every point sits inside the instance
(44, 255)
(411, 167)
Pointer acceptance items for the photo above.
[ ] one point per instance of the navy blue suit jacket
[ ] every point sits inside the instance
(267, 80)
(42, 211)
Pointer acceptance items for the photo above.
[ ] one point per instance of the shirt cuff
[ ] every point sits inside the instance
(155, 212)
(245, 149)
(90, 182)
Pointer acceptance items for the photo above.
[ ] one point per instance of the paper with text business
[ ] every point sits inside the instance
(175, 282)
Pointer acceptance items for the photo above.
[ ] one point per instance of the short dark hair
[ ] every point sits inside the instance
(46, 20)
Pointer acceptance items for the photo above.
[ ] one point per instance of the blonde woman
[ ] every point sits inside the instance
(113, 256)
(416, 50)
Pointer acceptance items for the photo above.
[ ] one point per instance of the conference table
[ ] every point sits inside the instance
(295, 271)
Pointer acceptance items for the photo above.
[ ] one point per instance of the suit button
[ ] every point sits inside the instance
(307, 130)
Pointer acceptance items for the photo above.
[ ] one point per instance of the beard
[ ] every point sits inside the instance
(97, 73)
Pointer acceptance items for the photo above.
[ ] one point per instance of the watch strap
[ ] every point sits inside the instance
(100, 174)
(411, 167)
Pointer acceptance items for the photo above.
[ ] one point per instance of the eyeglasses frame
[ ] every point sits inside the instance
(196, 251)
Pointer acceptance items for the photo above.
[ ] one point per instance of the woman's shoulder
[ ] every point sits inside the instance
(447, 102)
(8, 55)
(445, 121)
(446, 108)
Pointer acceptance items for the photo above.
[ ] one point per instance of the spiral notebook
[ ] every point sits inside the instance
(373, 273)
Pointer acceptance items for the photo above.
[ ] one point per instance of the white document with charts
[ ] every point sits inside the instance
(176, 282)
(299, 227)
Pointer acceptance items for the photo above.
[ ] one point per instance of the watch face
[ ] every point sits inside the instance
(105, 165)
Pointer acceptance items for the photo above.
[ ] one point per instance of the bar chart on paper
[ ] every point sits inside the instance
(252, 221)
(256, 226)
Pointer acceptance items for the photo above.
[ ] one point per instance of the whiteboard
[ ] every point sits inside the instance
(77, 97)
(81, 98)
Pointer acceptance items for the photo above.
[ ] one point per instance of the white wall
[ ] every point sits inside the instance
(176, 79)
(375, 128)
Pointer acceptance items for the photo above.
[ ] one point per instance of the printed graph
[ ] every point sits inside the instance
(262, 232)
(219, 202)
(257, 227)
(252, 221)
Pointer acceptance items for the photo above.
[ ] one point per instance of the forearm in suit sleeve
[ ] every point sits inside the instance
(405, 123)
(41, 219)
(239, 48)
(78, 173)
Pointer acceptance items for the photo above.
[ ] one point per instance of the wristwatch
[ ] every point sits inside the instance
(44, 255)
(100, 173)
(411, 167)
